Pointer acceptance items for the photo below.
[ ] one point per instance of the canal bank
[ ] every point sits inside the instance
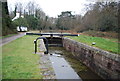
(105, 64)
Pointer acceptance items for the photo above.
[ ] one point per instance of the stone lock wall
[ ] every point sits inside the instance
(105, 64)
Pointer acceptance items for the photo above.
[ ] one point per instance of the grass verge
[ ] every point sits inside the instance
(18, 60)
(102, 43)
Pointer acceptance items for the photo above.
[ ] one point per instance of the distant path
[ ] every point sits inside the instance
(9, 39)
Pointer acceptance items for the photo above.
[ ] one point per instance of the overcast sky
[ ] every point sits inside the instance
(53, 8)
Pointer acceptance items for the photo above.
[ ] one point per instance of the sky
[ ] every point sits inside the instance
(53, 8)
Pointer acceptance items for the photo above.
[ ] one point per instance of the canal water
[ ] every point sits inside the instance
(60, 57)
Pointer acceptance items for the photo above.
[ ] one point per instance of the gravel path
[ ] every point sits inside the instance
(9, 39)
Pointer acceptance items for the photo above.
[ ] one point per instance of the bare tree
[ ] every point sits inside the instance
(31, 8)
(19, 8)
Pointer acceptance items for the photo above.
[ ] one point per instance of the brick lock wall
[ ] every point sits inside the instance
(105, 64)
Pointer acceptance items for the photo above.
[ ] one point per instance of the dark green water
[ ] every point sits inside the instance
(84, 72)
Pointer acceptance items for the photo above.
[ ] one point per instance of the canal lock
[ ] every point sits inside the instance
(56, 52)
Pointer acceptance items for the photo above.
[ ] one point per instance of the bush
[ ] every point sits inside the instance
(101, 34)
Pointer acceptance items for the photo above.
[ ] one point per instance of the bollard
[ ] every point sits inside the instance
(35, 42)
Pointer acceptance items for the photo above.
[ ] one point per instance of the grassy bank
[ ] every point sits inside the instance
(18, 60)
(106, 44)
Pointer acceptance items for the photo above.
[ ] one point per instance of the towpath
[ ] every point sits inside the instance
(9, 39)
